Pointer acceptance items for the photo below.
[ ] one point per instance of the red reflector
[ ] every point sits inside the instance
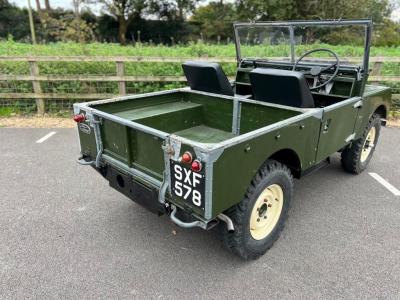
(79, 118)
(196, 165)
(187, 157)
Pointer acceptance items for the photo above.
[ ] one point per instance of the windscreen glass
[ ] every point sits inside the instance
(288, 43)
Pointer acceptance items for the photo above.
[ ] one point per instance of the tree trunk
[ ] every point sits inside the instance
(180, 13)
(38, 8)
(47, 5)
(122, 29)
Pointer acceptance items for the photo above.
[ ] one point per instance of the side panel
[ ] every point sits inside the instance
(238, 164)
(337, 126)
(374, 97)
(87, 141)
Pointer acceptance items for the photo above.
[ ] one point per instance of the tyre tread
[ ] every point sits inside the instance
(238, 212)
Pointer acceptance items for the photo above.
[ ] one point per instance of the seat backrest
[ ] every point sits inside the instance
(207, 77)
(283, 87)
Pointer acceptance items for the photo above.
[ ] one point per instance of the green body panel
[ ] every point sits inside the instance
(115, 141)
(238, 164)
(374, 97)
(205, 134)
(153, 111)
(120, 106)
(217, 112)
(188, 116)
(337, 126)
(88, 144)
(254, 116)
(147, 154)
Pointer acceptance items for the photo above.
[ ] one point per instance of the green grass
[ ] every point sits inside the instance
(11, 48)
(7, 111)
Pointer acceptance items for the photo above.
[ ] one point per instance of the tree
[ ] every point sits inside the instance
(14, 21)
(378, 10)
(38, 8)
(124, 12)
(266, 10)
(185, 7)
(47, 5)
(215, 19)
(173, 9)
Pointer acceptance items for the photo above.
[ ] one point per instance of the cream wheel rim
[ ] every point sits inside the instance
(266, 212)
(368, 144)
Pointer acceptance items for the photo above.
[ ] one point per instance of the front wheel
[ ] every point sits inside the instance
(259, 218)
(356, 156)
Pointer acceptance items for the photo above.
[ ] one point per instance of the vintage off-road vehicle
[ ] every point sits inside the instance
(225, 153)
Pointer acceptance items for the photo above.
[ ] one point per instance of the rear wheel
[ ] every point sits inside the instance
(356, 156)
(259, 218)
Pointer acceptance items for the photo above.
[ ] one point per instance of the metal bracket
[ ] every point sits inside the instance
(164, 187)
(350, 137)
(209, 158)
(358, 104)
(185, 224)
(95, 122)
(237, 108)
(83, 162)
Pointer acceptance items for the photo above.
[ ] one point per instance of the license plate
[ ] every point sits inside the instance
(187, 185)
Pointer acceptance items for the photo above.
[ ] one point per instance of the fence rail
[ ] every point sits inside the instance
(37, 79)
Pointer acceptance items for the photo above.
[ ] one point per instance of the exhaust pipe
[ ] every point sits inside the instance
(228, 222)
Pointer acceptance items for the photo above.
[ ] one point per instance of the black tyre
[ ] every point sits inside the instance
(356, 156)
(259, 218)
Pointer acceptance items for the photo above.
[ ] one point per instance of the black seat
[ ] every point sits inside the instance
(283, 87)
(207, 77)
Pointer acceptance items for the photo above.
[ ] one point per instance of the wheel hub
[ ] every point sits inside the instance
(266, 212)
(368, 144)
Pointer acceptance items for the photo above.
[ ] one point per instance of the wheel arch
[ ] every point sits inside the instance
(382, 111)
(290, 158)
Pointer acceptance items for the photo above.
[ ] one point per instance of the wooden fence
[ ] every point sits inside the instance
(36, 78)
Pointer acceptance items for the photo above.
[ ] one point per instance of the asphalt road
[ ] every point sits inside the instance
(65, 234)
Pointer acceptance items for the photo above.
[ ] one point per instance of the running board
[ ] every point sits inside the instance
(318, 166)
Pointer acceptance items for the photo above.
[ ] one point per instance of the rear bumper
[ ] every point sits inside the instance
(138, 192)
(148, 196)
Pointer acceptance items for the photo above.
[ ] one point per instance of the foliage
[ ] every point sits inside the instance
(13, 48)
(124, 12)
(215, 20)
(388, 34)
(165, 21)
(14, 21)
(60, 25)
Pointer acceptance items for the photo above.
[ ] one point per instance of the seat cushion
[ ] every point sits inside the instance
(283, 87)
(207, 77)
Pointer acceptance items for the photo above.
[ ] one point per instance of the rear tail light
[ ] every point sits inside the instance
(196, 165)
(79, 118)
(187, 157)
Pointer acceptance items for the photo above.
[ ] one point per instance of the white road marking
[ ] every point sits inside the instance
(386, 184)
(49, 135)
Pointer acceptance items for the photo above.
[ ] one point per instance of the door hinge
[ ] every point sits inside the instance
(358, 104)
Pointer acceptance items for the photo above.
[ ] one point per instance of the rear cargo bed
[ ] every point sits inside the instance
(196, 117)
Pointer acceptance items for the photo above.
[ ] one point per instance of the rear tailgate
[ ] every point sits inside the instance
(133, 147)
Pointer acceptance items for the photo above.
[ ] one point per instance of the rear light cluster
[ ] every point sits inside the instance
(187, 158)
(80, 118)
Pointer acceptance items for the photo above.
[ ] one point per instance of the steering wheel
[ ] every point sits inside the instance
(315, 71)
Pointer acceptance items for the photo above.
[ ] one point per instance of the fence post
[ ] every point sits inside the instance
(120, 72)
(377, 68)
(37, 89)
